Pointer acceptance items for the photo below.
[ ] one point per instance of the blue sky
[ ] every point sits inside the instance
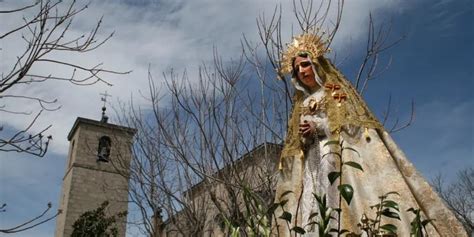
(433, 66)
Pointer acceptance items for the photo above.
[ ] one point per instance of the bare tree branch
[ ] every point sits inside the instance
(30, 223)
(396, 127)
(46, 29)
(22, 141)
(376, 44)
(459, 196)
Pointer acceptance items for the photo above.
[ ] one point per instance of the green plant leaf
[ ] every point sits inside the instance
(390, 203)
(333, 176)
(332, 142)
(312, 223)
(390, 228)
(416, 230)
(332, 153)
(375, 206)
(283, 203)
(343, 231)
(411, 209)
(312, 215)
(354, 164)
(286, 216)
(347, 192)
(298, 230)
(272, 208)
(393, 192)
(352, 149)
(386, 212)
(425, 222)
(285, 193)
(318, 198)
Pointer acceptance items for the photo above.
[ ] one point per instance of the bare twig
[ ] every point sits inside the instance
(32, 222)
(45, 32)
(376, 44)
(396, 127)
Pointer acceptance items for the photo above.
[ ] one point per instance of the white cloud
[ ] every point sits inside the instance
(166, 34)
(438, 141)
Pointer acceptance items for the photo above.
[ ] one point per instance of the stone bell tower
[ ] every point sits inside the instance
(97, 170)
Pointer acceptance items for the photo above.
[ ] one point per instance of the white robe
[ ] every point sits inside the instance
(386, 169)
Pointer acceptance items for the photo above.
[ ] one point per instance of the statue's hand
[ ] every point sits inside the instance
(307, 128)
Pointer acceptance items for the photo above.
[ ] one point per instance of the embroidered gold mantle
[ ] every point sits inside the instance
(385, 166)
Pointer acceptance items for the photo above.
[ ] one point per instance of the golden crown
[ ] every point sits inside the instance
(311, 44)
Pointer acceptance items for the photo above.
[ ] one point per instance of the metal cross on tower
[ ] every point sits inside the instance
(104, 99)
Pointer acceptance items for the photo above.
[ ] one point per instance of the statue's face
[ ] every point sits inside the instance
(305, 72)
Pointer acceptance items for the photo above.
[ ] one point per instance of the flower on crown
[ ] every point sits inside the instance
(306, 43)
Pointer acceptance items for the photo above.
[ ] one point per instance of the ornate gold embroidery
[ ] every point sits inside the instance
(339, 97)
(353, 112)
(311, 43)
(332, 88)
(314, 106)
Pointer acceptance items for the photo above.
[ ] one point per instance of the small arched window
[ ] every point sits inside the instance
(103, 152)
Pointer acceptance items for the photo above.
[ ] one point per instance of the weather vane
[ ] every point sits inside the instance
(104, 99)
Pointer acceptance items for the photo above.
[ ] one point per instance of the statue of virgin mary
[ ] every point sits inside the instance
(338, 159)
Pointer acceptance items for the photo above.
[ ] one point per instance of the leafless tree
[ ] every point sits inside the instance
(33, 222)
(311, 16)
(314, 16)
(379, 40)
(182, 148)
(194, 130)
(459, 196)
(45, 31)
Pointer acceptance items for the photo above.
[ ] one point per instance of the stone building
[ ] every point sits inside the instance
(97, 169)
(208, 199)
